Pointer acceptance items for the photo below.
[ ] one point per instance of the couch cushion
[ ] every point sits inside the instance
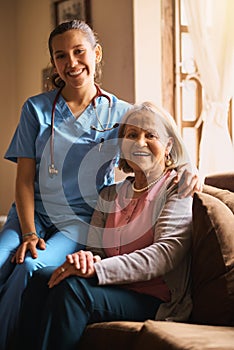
(227, 197)
(222, 180)
(110, 336)
(162, 335)
(212, 261)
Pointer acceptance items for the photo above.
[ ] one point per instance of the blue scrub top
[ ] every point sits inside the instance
(85, 158)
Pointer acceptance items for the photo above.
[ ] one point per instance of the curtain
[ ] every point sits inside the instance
(211, 26)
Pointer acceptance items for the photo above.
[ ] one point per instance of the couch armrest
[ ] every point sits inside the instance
(223, 180)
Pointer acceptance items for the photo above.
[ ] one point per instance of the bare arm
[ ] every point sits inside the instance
(24, 198)
(24, 193)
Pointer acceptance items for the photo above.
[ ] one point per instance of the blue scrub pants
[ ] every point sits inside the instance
(56, 318)
(14, 277)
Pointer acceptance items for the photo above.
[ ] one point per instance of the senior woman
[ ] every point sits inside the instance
(137, 262)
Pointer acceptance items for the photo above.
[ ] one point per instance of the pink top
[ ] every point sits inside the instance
(132, 220)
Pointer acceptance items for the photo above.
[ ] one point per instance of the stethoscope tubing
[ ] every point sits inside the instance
(52, 128)
(52, 168)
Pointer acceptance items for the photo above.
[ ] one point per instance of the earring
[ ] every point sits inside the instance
(169, 160)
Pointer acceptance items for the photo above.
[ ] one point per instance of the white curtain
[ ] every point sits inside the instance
(211, 26)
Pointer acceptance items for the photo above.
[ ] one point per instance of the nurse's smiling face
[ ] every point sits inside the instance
(75, 58)
(145, 143)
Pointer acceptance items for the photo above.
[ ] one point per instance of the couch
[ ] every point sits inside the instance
(211, 325)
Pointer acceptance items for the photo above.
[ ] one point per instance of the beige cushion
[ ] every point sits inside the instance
(110, 336)
(162, 335)
(212, 261)
(227, 197)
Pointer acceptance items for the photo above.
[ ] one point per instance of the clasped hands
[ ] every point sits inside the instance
(80, 264)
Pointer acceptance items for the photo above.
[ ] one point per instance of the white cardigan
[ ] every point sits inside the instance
(168, 256)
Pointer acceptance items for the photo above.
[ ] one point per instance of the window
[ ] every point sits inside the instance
(182, 89)
(188, 87)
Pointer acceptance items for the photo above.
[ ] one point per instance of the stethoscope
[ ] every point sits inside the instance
(52, 169)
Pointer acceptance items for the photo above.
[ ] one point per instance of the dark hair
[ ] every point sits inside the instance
(91, 37)
(178, 152)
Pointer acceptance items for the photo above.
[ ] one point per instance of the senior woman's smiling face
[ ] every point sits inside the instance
(145, 143)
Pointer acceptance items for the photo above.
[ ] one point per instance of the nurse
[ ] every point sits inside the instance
(62, 164)
(50, 216)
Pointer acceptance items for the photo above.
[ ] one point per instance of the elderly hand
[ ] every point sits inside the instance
(188, 182)
(77, 264)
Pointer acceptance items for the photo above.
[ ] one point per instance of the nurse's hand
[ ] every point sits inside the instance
(30, 243)
(188, 182)
(76, 264)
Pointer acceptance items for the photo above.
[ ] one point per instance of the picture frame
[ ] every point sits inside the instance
(67, 10)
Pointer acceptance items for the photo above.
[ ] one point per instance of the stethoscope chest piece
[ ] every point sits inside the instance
(52, 170)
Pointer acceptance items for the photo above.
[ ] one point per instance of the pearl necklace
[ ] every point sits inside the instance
(148, 186)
